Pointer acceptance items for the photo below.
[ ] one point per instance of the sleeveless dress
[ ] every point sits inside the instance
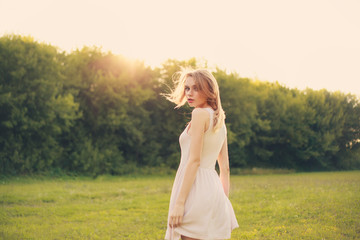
(208, 211)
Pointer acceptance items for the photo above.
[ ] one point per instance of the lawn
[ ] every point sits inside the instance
(285, 206)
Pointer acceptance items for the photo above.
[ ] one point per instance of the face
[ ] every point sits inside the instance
(195, 97)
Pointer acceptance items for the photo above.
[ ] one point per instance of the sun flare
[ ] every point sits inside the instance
(271, 41)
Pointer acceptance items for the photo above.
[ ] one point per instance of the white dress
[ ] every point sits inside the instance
(208, 211)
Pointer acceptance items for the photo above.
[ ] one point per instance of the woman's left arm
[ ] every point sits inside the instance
(197, 129)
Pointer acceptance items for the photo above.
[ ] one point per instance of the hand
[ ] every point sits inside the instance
(176, 215)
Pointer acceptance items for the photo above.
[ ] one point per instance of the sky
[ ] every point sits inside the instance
(299, 43)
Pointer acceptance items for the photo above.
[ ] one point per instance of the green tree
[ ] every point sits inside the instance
(35, 110)
(348, 137)
(112, 92)
(94, 113)
(239, 98)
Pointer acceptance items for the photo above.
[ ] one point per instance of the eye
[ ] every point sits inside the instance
(195, 88)
(187, 89)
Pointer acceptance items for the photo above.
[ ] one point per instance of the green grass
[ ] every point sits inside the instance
(287, 206)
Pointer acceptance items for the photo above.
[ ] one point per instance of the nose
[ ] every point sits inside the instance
(190, 92)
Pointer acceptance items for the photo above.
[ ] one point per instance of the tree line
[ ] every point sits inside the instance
(93, 112)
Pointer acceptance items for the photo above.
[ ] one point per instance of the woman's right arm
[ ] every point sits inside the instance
(223, 161)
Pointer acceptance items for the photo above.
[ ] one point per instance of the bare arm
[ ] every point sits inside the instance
(197, 129)
(223, 161)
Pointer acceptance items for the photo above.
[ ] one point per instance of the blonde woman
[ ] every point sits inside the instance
(199, 204)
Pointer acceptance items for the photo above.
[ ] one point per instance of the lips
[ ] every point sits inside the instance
(190, 100)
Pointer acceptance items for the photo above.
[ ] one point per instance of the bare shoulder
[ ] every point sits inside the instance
(199, 114)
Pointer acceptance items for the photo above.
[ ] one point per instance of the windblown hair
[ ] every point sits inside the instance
(206, 83)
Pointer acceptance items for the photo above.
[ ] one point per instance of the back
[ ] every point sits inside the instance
(213, 142)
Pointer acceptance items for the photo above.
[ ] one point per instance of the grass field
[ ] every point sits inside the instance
(286, 206)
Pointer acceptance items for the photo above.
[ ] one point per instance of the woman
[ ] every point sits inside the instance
(199, 205)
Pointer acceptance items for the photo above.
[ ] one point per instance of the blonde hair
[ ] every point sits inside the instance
(207, 84)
